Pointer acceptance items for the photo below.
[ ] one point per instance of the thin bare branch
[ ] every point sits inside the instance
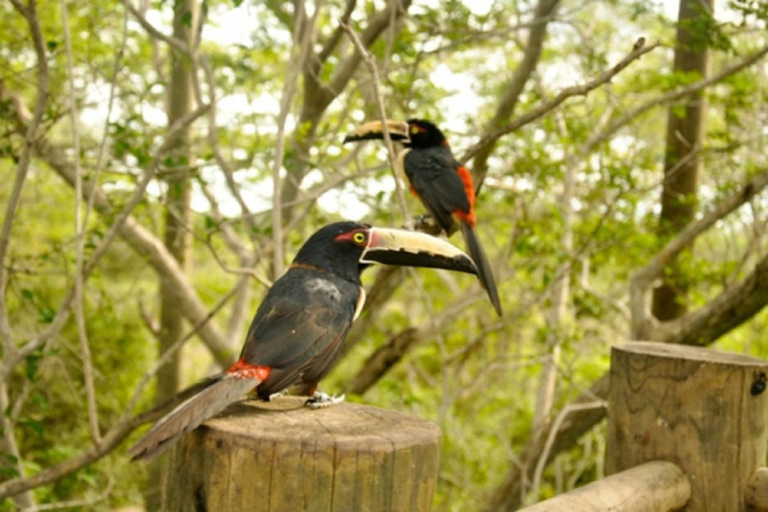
(564, 412)
(673, 95)
(123, 427)
(8, 441)
(389, 354)
(369, 61)
(644, 326)
(378, 23)
(702, 327)
(230, 237)
(30, 14)
(638, 50)
(176, 44)
(318, 95)
(80, 228)
(333, 41)
(240, 307)
(213, 141)
(116, 434)
(125, 225)
(302, 43)
(168, 354)
(543, 13)
(83, 503)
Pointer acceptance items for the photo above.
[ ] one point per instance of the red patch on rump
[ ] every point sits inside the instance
(469, 188)
(243, 370)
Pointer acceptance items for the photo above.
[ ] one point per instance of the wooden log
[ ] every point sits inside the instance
(282, 457)
(657, 486)
(757, 491)
(702, 409)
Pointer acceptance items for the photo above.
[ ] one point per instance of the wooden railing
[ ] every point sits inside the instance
(680, 417)
(687, 430)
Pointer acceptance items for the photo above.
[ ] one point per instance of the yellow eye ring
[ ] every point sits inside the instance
(358, 237)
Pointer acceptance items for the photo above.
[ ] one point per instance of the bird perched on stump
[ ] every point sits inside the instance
(442, 184)
(300, 327)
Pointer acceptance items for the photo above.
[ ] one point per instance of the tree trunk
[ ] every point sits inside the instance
(177, 219)
(282, 457)
(543, 13)
(702, 409)
(681, 163)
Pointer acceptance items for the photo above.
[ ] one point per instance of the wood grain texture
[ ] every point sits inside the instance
(281, 457)
(656, 486)
(698, 408)
(757, 491)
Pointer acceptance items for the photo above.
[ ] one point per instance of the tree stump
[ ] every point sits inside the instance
(282, 457)
(701, 409)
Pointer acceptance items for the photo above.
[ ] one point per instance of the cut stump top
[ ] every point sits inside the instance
(705, 355)
(343, 425)
(282, 457)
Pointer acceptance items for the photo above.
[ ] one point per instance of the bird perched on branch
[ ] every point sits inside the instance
(442, 184)
(300, 327)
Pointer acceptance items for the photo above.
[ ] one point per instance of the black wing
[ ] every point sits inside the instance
(432, 173)
(300, 327)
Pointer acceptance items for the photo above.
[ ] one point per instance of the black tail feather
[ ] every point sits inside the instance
(477, 253)
(208, 402)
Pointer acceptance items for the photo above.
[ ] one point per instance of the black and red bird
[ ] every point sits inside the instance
(300, 327)
(442, 184)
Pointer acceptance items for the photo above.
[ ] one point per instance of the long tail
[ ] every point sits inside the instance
(211, 400)
(477, 253)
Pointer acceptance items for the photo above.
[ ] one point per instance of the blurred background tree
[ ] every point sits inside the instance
(164, 160)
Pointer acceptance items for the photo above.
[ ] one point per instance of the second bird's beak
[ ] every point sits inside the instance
(398, 130)
(414, 249)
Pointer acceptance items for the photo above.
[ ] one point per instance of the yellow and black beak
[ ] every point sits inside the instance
(414, 249)
(374, 130)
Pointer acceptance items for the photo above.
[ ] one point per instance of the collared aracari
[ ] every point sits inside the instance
(442, 184)
(300, 327)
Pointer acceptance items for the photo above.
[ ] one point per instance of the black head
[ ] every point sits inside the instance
(336, 248)
(424, 134)
(345, 249)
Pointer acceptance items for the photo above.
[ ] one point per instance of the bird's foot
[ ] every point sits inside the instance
(320, 400)
(280, 393)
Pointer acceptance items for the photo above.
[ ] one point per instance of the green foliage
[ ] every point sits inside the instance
(474, 374)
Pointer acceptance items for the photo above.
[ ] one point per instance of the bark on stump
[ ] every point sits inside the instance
(701, 409)
(281, 457)
(757, 491)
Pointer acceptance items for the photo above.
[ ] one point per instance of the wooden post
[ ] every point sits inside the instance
(702, 409)
(652, 487)
(282, 457)
(757, 491)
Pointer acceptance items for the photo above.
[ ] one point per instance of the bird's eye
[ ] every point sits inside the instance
(359, 238)
(415, 129)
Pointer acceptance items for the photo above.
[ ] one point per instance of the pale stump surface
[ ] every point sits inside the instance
(346, 458)
(694, 407)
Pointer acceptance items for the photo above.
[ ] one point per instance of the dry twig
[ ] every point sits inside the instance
(638, 50)
(80, 228)
(369, 61)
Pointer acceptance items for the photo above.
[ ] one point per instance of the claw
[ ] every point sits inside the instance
(276, 395)
(320, 400)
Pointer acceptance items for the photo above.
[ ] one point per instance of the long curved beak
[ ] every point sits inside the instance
(398, 130)
(414, 249)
